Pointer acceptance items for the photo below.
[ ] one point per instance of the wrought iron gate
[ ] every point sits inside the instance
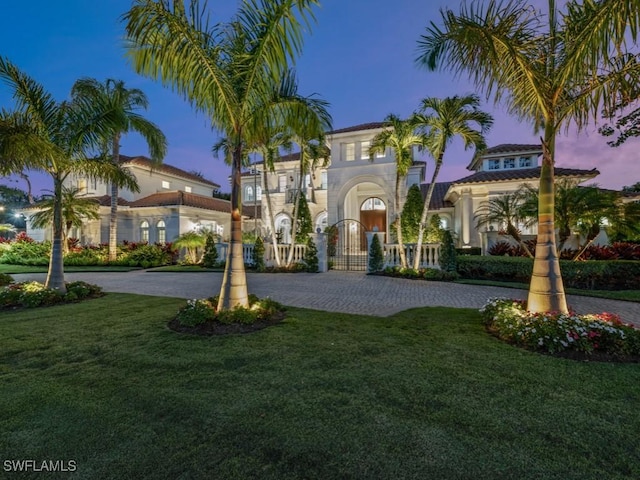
(347, 246)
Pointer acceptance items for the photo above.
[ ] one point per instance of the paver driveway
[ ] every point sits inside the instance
(349, 292)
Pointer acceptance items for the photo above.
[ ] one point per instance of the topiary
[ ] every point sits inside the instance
(311, 256)
(210, 257)
(376, 257)
(448, 255)
(258, 255)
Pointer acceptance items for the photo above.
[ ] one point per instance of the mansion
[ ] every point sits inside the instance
(349, 186)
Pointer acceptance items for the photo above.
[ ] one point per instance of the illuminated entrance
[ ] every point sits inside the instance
(373, 215)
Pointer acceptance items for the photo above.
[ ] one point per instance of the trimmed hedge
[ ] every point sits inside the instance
(588, 275)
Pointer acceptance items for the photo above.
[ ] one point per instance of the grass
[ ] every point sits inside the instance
(422, 394)
(11, 269)
(627, 295)
(184, 268)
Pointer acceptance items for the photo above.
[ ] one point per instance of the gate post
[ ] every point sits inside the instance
(320, 239)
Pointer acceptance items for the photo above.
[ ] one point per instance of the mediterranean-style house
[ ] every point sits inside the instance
(352, 186)
(171, 201)
(348, 189)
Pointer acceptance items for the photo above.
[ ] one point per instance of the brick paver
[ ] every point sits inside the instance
(349, 292)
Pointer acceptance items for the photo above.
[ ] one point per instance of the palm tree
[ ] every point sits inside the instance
(56, 138)
(507, 212)
(443, 120)
(191, 242)
(124, 103)
(232, 72)
(550, 73)
(76, 210)
(401, 136)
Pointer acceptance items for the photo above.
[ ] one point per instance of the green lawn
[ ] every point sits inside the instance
(425, 394)
(11, 269)
(184, 268)
(628, 295)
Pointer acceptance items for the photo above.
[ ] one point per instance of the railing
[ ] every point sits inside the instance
(428, 259)
(292, 192)
(269, 257)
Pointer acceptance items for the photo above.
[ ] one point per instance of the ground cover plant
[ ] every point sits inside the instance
(594, 336)
(426, 393)
(35, 294)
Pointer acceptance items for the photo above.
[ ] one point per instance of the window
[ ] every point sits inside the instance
(144, 231)
(364, 150)
(248, 193)
(166, 184)
(494, 164)
(94, 184)
(321, 222)
(323, 180)
(525, 162)
(283, 228)
(161, 232)
(282, 183)
(349, 152)
(187, 189)
(82, 186)
(382, 154)
(373, 203)
(509, 163)
(258, 193)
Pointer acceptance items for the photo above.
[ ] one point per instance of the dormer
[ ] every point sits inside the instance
(507, 157)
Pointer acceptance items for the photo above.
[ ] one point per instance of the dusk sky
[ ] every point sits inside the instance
(359, 56)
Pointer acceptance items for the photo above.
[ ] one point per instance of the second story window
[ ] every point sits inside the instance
(282, 183)
(364, 150)
(494, 164)
(258, 193)
(166, 184)
(248, 193)
(525, 162)
(323, 180)
(509, 163)
(187, 189)
(349, 151)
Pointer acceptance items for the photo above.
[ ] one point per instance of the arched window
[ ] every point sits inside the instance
(373, 203)
(144, 231)
(248, 193)
(283, 228)
(161, 230)
(321, 222)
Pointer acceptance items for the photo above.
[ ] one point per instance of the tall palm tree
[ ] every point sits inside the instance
(56, 138)
(123, 102)
(443, 120)
(401, 136)
(549, 72)
(76, 209)
(506, 210)
(230, 71)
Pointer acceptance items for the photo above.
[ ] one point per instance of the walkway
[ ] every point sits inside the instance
(349, 292)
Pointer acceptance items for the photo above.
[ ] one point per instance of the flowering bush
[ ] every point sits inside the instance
(556, 332)
(199, 311)
(34, 294)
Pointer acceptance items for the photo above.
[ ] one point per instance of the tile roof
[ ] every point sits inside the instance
(512, 147)
(165, 168)
(437, 199)
(523, 174)
(357, 128)
(178, 197)
(105, 201)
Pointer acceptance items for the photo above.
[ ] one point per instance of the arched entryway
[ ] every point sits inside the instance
(373, 215)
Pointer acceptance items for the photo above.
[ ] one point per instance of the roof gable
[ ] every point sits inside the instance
(165, 168)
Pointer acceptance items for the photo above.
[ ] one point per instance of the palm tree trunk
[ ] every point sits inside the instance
(546, 291)
(25, 177)
(270, 219)
(398, 223)
(425, 210)
(113, 217)
(296, 202)
(55, 275)
(513, 232)
(233, 291)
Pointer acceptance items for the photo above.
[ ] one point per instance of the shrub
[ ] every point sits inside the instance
(5, 279)
(34, 294)
(376, 256)
(448, 254)
(553, 332)
(85, 256)
(146, 256)
(196, 312)
(258, 255)
(469, 251)
(311, 256)
(501, 249)
(210, 257)
(26, 253)
(83, 289)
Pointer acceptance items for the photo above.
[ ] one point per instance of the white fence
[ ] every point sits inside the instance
(269, 257)
(429, 258)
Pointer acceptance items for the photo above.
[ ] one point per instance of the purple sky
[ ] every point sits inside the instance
(359, 57)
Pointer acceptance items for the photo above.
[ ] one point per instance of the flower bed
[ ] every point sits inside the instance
(200, 317)
(599, 336)
(34, 294)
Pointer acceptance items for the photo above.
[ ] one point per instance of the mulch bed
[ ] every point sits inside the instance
(209, 329)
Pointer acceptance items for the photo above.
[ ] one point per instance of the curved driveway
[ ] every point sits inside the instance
(349, 292)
